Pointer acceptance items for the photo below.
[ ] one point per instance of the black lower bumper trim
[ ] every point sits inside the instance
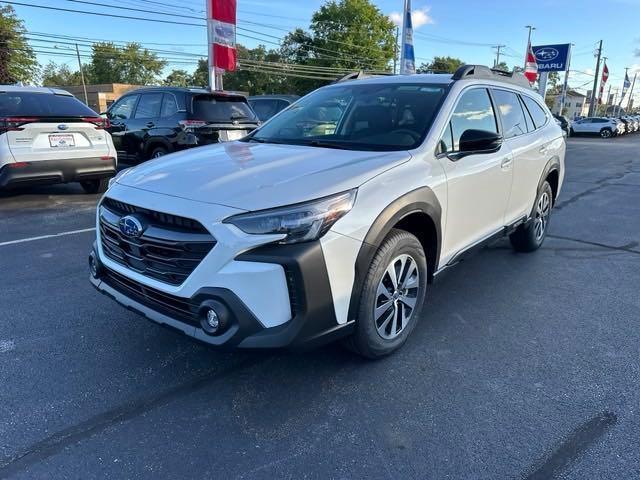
(46, 172)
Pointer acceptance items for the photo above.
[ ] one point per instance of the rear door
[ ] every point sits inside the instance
(44, 126)
(119, 115)
(144, 120)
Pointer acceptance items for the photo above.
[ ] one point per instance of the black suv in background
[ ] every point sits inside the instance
(151, 122)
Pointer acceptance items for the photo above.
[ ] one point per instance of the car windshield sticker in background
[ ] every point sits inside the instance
(551, 58)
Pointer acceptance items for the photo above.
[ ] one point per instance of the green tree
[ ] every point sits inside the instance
(554, 82)
(17, 59)
(54, 75)
(502, 66)
(178, 78)
(129, 64)
(200, 77)
(257, 77)
(442, 65)
(349, 35)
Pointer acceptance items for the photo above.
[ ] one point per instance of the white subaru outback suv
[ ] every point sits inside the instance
(48, 136)
(331, 220)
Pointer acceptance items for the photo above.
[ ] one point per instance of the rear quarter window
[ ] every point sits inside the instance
(537, 112)
(30, 104)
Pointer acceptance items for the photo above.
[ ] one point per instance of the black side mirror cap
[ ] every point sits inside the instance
(476, 142)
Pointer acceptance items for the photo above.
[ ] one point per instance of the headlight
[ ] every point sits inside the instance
(113, 180)
(302, 222)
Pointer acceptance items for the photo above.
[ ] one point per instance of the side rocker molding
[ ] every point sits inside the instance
(420, 200)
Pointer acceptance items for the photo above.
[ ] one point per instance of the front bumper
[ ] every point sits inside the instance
(56, 171)
(313, 321)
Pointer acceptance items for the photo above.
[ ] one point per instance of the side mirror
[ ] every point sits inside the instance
(473, 142)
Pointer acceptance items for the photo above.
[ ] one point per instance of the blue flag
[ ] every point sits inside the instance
(626, 84)
(407, 59)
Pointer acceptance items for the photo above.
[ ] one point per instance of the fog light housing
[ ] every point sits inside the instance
(214, 317)
(94, 265)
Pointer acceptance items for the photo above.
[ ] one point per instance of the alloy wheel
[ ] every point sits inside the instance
(396, 297)
(543, 209)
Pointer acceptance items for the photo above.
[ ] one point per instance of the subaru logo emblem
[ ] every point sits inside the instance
(130, 226)
(62, 126)
(547, 54)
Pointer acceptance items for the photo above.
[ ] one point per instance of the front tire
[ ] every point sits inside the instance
(530, 236)
(158, 152)
(392, 296)
(95, 186)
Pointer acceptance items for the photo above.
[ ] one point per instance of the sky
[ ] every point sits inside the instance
(460, 28)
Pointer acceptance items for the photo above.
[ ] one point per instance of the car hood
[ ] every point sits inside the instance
(253, 176)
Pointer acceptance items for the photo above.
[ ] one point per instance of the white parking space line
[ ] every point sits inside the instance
(42, 237)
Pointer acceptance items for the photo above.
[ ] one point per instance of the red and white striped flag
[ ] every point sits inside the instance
(222, 32)
(530, 65)
(605, 77)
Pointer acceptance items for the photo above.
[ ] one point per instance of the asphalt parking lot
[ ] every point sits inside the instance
(523, 366)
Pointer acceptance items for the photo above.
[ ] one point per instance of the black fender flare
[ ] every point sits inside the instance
(420, 200)
(552, 164)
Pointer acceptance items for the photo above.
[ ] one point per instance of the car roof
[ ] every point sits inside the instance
(194, 90)
(44, 90)
(274, 97)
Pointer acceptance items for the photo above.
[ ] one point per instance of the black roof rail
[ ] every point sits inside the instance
(467, 72)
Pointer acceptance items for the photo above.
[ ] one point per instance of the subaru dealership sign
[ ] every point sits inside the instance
(552, 58)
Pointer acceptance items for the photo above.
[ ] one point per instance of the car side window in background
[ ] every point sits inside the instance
(513, 121)
(265, 109)
(149, 106)
(473, 112)
(537, 112)
(123, 109)
(446, 142)
(169, 105)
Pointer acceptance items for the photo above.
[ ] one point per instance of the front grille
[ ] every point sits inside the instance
(170, 248)
(160, 219)
(175, 307)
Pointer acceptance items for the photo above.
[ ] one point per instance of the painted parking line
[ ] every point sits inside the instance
(43, 237)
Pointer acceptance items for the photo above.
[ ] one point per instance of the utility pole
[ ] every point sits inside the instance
(606, 104)
(595, 82)
(497, 60)
(395, 52)
(631, 91)
(565, 85)
(84, 85)
(626, 71)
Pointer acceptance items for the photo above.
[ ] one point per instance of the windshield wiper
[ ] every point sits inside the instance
(261, 140)
(326, 144)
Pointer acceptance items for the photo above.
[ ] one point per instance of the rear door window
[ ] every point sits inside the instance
(513, 120)
(149, 106)
(29, 104)
(219, 109)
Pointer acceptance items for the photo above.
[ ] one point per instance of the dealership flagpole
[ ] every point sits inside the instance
(631, 91)
(565, 85)
(595, 82)
(407, 55)
(211, 61)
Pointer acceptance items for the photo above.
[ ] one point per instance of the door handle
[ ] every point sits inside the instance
(543, 149)
(506, 162)
(151, 124)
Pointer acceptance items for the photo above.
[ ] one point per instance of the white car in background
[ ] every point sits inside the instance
(48, 136)
(605, 127)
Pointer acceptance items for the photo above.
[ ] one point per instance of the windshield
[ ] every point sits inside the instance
(357, 117)
(212, 108)
(28, 104)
